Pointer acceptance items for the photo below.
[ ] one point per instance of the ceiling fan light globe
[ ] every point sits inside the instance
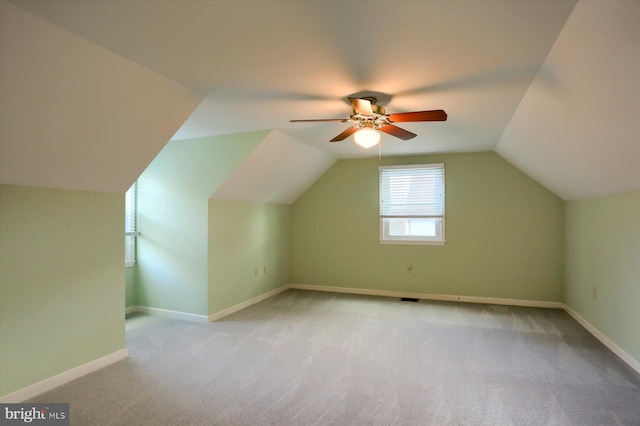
(367, 138)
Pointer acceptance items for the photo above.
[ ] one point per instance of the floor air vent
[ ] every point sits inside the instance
(408, 299)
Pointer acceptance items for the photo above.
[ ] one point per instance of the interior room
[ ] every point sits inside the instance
(184, 194)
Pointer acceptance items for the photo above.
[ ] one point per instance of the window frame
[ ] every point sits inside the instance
(130, 231)
(385, 238)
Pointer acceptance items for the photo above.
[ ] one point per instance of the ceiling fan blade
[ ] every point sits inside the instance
(362, 106)
(397, 132)
(405, 117)
(342, 136)
(340, 120)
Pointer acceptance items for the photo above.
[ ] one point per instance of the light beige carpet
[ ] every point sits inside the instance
(309, 358)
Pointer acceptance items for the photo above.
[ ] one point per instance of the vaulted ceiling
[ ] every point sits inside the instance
(552, 86)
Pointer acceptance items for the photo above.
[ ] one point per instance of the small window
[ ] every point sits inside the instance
(412, 204)
(130, 231)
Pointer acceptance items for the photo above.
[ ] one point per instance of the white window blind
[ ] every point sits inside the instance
(412, 203)
(130, 231)
(130, 210)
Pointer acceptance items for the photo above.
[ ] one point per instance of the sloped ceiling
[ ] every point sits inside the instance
(577, 128)
(196, 168)
(262, 63)
(74, 115)
(279, 170)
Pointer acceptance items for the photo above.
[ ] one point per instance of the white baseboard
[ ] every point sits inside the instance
(64, 377)
(235, 308)
(130, 309)
(186, 316)
(633, 363)
(431, 296)
(204, 318)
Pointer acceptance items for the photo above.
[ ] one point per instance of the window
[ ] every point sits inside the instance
(412, 204)
(130, 232)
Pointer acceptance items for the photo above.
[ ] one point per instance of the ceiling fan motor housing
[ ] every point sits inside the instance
(375, 121)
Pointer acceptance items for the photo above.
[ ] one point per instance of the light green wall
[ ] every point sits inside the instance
(244, 238)
(171, 255)
(173, 195)
(130, 286)
(504, 233)
(603, 251)
(61, 281)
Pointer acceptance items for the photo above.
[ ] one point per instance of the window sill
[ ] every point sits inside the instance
(414, 242)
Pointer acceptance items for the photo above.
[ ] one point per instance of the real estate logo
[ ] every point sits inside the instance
(34, 414)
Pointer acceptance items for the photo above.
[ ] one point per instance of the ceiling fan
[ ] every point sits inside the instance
(368, 118)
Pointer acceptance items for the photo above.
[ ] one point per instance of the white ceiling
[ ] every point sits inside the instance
(77, 116)
(259, 64)
(577, 129)
(279, 170)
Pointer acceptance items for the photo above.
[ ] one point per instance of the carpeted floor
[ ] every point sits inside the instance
(310, 358)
